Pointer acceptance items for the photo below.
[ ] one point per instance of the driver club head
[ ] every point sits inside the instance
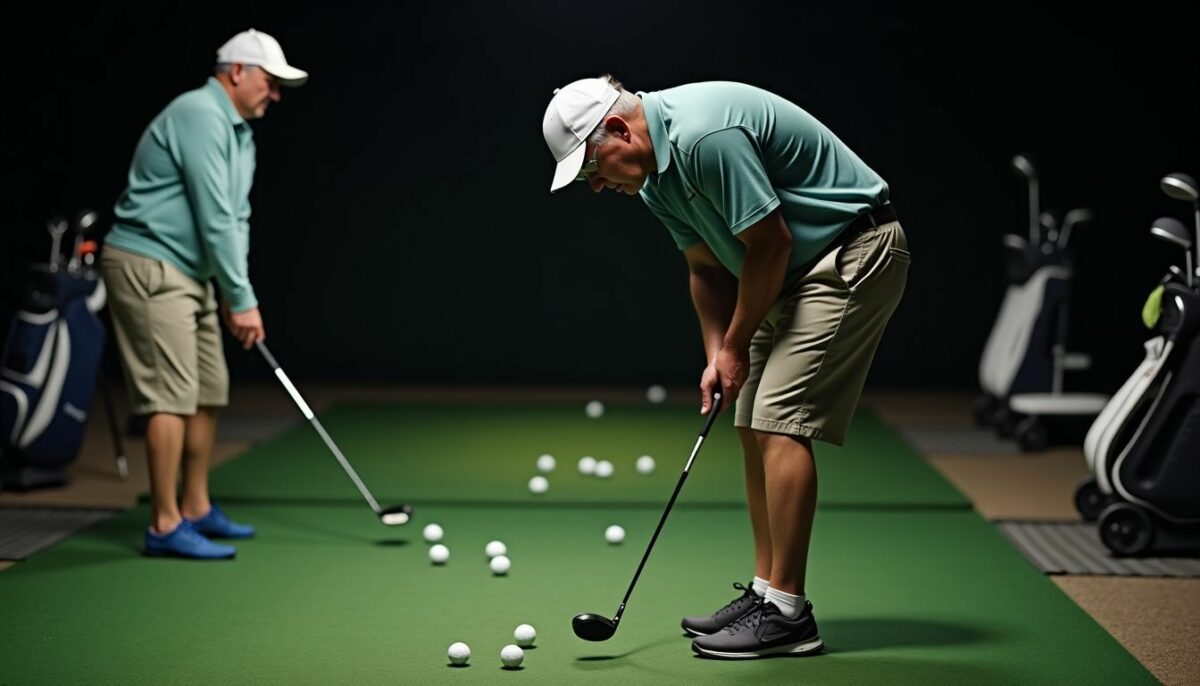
(1022, 164)
(1078, 216)
(85, 220)
(592, 627)
(1180, 187)
(396, 516)
(1171, 230)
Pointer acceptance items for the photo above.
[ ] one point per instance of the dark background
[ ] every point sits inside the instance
(403, 232)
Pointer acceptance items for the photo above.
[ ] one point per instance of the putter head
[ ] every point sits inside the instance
(396, 516)
(1180, 187)
(592, 627)
(1171, 230)
(1022, 164)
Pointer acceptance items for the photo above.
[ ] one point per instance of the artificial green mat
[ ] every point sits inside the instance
(325, 594)
(423, 452)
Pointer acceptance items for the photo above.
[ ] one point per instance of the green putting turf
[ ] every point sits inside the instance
(422, 452)
(327, 595)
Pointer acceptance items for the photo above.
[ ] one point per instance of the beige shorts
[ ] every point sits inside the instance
(810, 356)
(168, 335)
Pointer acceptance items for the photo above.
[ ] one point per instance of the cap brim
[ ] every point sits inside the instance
(287, 75)
(568, 169)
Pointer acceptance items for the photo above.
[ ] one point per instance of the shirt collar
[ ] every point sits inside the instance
(652, 108)
(214, 88)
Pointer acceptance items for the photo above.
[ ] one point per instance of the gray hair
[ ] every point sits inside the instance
(627, 103)
(226, 67)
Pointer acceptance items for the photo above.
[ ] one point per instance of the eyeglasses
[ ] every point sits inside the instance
(591, 166)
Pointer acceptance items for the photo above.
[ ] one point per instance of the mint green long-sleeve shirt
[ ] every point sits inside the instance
(188, 194)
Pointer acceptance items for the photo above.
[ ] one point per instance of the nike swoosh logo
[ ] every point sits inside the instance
(773, 632)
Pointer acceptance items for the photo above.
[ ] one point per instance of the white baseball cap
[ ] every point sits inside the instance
(574, 112)
(260, 50)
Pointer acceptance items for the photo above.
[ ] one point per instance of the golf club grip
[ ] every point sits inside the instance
(262, 348)
(712, 413)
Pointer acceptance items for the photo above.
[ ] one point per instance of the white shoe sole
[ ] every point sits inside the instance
(795, 649)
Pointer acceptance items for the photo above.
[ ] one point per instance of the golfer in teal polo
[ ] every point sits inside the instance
(796, 262)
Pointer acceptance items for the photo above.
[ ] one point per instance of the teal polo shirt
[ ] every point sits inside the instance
(188, 195)
(728, 154)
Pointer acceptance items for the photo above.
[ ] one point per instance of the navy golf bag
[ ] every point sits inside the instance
(48, 374)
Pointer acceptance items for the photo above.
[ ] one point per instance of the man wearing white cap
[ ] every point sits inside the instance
(182, 220)
(796, 262)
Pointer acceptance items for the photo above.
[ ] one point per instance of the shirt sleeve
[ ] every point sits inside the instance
(685, 236)
(206, 151)
(729, 172)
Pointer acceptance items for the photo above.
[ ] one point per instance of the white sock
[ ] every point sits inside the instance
(759, 586)
(789, 605)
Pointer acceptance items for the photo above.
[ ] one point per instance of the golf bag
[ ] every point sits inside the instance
(48, 373)
(1143, 451)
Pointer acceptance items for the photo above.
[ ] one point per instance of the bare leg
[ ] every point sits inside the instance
(756, 499)
(197, 458)
(791, 490)
(164, 448)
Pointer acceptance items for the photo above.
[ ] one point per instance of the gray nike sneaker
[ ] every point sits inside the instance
(703, 625)
(763, 632)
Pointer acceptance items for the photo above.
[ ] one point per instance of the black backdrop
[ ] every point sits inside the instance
(402, 230)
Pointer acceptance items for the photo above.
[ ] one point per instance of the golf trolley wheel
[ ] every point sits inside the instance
(1089, 501)
(1005, 422)
(1126, 529)
(1031, 434)
(984, 410)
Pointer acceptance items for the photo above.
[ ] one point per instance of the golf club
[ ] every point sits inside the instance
(393, 516)
(594, 627)
(1050, 224)
(1022, 164)
(57, 227)
(84, 221)
(1076, 216)
(1183, 187)
(1173, 231)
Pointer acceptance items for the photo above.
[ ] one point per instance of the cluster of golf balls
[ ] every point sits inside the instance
(498, 560)
(511, 655)
(496, 551)
(539, 484)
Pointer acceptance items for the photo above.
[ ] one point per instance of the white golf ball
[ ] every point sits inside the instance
(459, 653)
(512, 656)
(546, 463)
(594, 409)
(439, 554)
(494, 548)
(656, 394)
(524, 635)
(433, 533)
(604, 469)
(614, 534)
(645, 464)
(538, 484)
(587, 465)
(500, 565)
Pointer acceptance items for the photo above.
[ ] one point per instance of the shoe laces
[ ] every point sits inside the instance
(745, 591)
(191, 533)
(754, 617)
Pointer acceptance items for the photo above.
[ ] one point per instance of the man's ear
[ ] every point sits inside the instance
(235, 73)
(618, 127)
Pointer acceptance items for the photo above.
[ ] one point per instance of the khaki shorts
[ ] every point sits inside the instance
(810, 356)
(168, 335)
